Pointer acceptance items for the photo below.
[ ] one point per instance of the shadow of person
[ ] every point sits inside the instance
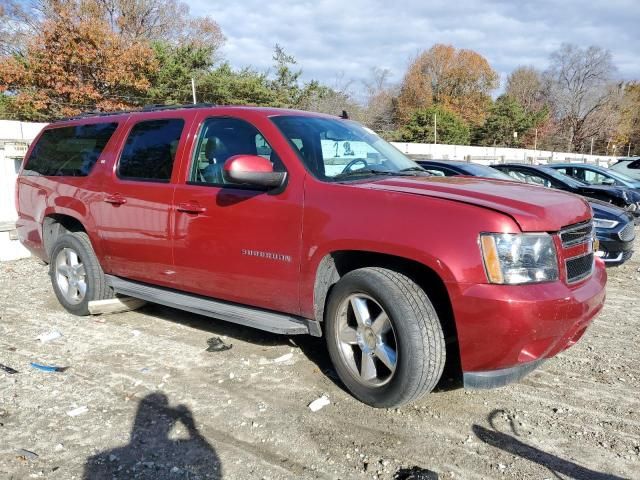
(151, 454)
(558, 466)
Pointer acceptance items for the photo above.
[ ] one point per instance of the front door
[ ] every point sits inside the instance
(234, 242)
(134, 218)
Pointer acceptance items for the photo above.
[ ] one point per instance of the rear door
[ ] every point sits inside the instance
(134, 218)
(235, 242)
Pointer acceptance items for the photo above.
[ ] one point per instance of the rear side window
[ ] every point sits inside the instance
(634, 165)
(150, 150)
(69, 151)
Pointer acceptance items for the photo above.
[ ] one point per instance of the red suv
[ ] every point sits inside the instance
(295, 222)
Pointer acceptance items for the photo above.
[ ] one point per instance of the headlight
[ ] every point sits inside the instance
(600, 223)
(514, 258)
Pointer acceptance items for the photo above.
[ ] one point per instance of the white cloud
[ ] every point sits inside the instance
(330, 38)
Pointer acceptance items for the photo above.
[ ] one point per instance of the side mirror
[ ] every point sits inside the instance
(608, 181)
(252, 170)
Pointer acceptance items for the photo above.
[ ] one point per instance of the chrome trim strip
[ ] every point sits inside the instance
(580, 241)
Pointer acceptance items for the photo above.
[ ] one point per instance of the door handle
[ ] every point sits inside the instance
(189, 207)
(115, 199)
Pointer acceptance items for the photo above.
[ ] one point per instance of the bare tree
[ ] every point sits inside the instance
(582, 93)
(526, 86)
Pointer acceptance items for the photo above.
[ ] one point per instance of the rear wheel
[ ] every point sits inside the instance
(76, 275)
(384, 337)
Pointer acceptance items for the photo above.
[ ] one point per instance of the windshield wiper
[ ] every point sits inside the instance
(405, 172)
(371, 171)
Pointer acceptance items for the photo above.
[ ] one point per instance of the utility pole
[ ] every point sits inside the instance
(629, 150)
(535, 142)
(435, 128)
(193, 90)
(591, 151)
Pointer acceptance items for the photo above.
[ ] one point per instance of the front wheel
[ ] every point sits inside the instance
(76, 275)
(384, 337)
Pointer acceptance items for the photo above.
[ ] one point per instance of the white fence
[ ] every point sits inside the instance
(488, 155)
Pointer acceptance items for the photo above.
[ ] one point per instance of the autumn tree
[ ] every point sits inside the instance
(459, 80)
(425, 122)
(134, 21)
(583, 96)
(73, 66)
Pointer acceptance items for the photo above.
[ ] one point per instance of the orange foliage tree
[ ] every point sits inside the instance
(458, 80)
(73, 65)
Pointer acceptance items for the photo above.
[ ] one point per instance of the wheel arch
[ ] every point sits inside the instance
(56, 224)
(336, 264)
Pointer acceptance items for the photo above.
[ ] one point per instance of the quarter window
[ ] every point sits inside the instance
(69, 151)
(222, 138)
(150, 150)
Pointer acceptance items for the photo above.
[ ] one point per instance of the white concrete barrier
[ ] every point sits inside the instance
(489, 155)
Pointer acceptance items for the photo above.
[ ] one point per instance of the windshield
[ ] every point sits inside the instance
(335, 149)
(478, 170)
(622, 177)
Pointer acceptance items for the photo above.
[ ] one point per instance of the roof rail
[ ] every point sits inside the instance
(146, 108)
(159, 107)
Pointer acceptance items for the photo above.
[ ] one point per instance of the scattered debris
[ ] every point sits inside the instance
(26, 454)
(9, 370)
(284, 358)
(77, 411)
(319, 403)
(47, 337)
(48, 368)
(115, 305)
(216, 344)
(415, 473)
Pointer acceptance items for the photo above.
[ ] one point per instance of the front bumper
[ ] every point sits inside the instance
(613, 250)
(506, 331)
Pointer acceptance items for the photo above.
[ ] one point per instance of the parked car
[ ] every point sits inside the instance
(595, 175)
(258, 216)
(548, 177)
(629, 166)
(449, 168)
(614, 227)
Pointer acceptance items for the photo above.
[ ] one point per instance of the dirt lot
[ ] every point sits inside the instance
(159, 406)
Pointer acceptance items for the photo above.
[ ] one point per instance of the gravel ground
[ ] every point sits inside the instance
(157, 405)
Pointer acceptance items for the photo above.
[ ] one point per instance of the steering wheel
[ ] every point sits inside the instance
(349, 166)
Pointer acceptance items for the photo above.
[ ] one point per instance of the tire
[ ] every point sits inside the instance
(72, 253)
(415, 331)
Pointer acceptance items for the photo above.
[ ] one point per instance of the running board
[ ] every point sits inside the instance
(230, 312)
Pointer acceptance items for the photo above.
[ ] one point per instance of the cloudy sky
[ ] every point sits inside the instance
(344, 39)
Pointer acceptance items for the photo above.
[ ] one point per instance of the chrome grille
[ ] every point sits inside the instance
(627, 233)
(576, 234)
(579, 267)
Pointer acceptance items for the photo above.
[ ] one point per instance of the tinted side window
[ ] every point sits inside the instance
(223, 138)
(150, 150)
(69, 151)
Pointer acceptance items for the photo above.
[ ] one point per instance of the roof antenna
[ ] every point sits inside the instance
(344, 115)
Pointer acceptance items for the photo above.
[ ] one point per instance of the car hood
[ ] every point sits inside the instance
(607, 211)
(535, 209)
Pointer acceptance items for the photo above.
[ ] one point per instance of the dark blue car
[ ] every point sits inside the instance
(614, 227)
